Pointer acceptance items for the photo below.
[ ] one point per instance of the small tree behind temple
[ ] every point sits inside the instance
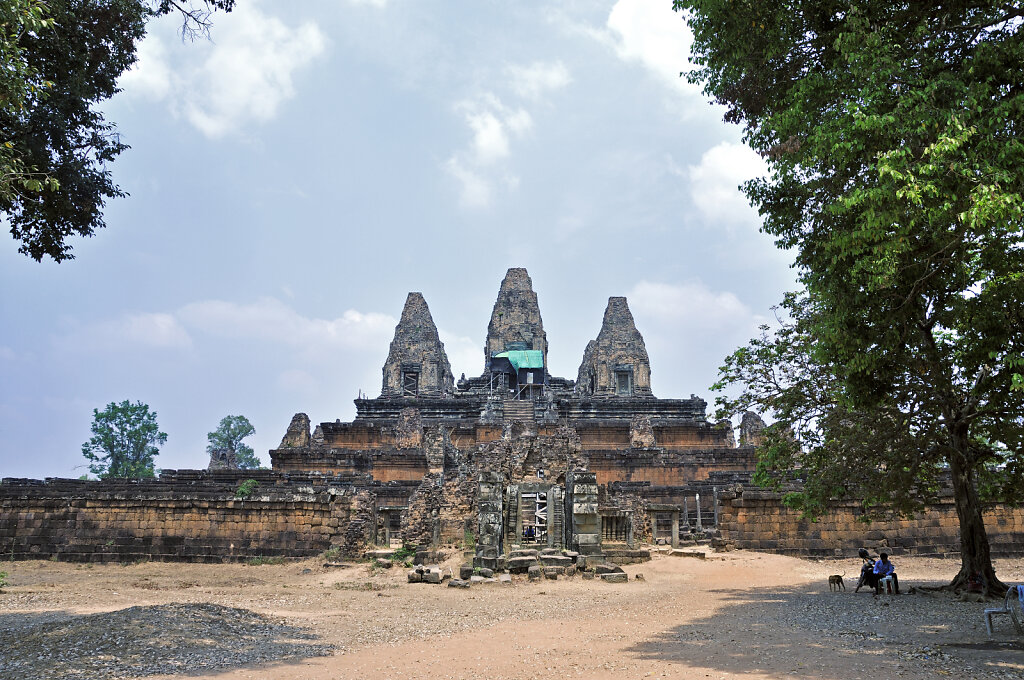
(124, 442)
(227, 440)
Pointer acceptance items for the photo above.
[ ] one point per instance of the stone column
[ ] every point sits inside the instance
(585, 523)
(488, 539)
(675, 529)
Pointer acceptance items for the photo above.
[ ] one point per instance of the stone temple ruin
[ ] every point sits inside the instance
(517, 458)
(518, 467)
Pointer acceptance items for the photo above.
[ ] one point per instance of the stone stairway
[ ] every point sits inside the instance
(518, 409)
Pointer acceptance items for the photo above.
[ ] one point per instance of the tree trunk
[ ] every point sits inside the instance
(975, 554)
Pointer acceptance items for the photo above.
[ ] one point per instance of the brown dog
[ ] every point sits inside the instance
(835, 582)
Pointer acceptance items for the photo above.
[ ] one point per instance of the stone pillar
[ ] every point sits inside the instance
(699, 526)
(488, 538)
(714, 497)
(675, 529)
(585, 523)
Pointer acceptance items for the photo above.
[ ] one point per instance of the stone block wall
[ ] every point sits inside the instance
(756, 519)
(195, 519)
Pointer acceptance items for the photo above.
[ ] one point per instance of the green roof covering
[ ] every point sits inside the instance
(523, 358)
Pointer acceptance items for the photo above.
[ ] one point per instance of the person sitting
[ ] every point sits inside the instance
(867, 572)
(884, 568)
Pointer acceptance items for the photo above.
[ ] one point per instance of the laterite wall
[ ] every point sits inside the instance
(193, 516)
(755, 519)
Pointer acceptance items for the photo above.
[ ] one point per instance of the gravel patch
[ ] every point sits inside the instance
(187, 639)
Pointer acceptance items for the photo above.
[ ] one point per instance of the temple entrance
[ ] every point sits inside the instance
(533, 510)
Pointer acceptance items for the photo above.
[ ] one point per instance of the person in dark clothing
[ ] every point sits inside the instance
(867, 572)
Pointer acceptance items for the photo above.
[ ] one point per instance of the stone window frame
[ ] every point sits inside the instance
(627, 370)
(409, 369)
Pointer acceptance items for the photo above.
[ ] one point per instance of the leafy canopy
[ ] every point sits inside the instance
(59, 60)
(893, 136)
(124, 442)
(228, 438)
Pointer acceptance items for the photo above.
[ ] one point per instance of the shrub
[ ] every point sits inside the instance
(246, 488)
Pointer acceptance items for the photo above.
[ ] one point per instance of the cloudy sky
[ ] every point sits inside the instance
(293, 178)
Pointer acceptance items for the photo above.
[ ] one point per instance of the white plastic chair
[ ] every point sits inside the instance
(1011, 606)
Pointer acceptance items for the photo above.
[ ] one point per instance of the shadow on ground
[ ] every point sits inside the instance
(184, 639)
(811, 632)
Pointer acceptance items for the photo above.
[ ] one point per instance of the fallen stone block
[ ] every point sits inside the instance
(521, 565)
(588, 576)
(505, 579)
(415, 576)
(614, 577)
(458, 583)
(555, 560)
(465, 571)
(570, 570)
(535, 573)
(486, 573)
(602, 569)
(522, 553)
(552, 573)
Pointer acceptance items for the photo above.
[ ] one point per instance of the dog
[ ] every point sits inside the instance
(835, 582)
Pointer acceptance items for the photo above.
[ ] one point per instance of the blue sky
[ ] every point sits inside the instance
(293, 178)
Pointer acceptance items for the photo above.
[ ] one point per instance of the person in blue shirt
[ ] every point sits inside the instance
(867, 572)
(883, 568)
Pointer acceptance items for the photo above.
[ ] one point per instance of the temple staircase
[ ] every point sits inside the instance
(518, 409)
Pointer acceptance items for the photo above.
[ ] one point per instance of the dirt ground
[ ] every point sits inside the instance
(733, 614)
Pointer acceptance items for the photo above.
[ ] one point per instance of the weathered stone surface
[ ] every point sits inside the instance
(520, 565)
(432, 575)
(414, 576)
(465, 571)
(641, 434)
(725, 426)
(297, 435)
(409, 429)
(614, 578)
(588, 575)
(602, 569)
(515, 320)
(458, 583)
(552, 573)
(523, 553)
(417, 365)
(222, 459)
(535, 573)
(555, 560)
(505, 579)
(616, 363)
(486, 573)
(751, 429)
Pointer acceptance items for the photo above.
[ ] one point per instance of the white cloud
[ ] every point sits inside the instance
(689, 305)
(131, 331)
(464, 354)
(475, 190)
(537, 79)
(243, 75)
(714, 183)
(271, 320)
(150, 76)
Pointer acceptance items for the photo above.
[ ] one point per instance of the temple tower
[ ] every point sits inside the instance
(515, 322)
(616, 363)
(417, 365)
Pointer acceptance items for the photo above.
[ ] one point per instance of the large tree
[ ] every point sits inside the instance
(59, 60)
(893, 136)
(227, 438)
(124, 442)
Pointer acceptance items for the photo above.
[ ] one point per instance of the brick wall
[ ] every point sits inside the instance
(755, 519)
(193, 517)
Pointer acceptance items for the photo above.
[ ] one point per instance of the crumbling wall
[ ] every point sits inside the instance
(756, 519)
(195, 517)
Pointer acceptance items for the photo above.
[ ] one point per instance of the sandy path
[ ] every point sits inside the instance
(760, 616)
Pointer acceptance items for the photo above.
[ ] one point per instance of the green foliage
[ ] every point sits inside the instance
(247, 488)
(893, 136)
(59, 60)
(261, 560)
(124, 441)
(404, 554)
(331, 554)
(3, 580)
(228, 437)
